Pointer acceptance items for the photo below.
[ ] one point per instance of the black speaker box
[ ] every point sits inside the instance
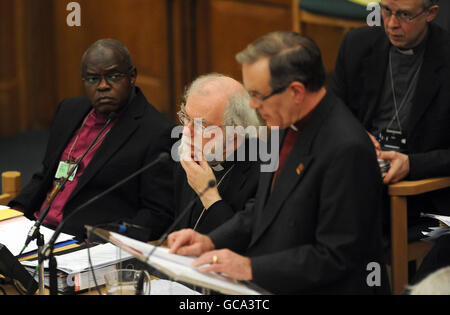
(11, 268)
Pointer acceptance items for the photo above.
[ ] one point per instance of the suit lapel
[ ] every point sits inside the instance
(373, 74)
(71, 125)
(265, 181)
(428, 81)
(119, 134)
(294, 170)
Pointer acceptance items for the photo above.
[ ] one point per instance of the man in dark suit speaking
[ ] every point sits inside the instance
(135, 135)
(316, 223)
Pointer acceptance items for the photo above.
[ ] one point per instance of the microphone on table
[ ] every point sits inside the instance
(48, 248)
(211, 184)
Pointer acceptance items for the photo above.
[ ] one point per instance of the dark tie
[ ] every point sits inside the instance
(288, 143)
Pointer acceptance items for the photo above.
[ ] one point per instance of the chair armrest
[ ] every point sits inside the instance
(5, 199)
(416, 187)
(10, 186)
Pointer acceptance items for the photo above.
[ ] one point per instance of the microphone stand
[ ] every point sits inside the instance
(34, 233)
(47, 250)
(211, 184)
(40, 243)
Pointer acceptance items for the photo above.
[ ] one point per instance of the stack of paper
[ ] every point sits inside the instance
(167, 287)
(7, 213)
(13, 234)
(75, 270)
(437, 232)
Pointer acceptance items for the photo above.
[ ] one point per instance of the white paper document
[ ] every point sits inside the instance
(78, 261)
(167, 287)
(76, 265)
(444, 219)
(438, 231)
(14, 234)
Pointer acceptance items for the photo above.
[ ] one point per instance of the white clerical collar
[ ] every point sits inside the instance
(407, 52)
(294, 128)
(218, 167)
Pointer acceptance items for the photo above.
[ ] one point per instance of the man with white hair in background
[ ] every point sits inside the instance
(214, 105)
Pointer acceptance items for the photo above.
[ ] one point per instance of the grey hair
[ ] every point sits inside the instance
(438, 283)
(237, 109)
(239, 113)
(198, 84)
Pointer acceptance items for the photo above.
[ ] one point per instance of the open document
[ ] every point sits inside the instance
(177, 267)
(436, 232)
(14, 231)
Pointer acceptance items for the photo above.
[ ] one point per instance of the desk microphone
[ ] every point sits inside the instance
(211, 184)
(59, 186)
(48, 248)
(121, 228)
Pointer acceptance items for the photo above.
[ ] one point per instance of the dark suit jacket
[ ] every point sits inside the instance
(238, 187)
(136, 139)
(358, 80)
(320, 227)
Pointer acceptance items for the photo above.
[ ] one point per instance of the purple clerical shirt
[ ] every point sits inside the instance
(77, 146)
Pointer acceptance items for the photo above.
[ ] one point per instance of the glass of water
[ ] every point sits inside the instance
(127, 282)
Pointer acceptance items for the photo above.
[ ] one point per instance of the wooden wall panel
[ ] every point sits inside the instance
(171, 42)
(141, 25)
(11, 71)
(183, 30)
(329, 40)
(39, 63)
(226, 27)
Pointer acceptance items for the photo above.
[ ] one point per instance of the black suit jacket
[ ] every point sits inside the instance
(136, 139)
(320, 227)
(237, 188)
(358, 80)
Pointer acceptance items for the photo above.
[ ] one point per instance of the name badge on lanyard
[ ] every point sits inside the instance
(64, 168)
(393, 140)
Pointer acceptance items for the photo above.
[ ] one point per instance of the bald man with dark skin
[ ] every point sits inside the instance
(108, 59)
(127, 141)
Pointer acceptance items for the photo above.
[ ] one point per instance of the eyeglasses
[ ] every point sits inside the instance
(186, 120)
(402, 16)
(262, 99)
(111, 78)
(198, 122)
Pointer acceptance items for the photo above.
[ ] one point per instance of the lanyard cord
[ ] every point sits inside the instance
(78, 136)
(398, 109)
(218, 184)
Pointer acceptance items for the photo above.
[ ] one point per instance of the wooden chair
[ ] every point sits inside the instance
(327, 22)
(10, 186)
(302, 15)
(401, 252)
